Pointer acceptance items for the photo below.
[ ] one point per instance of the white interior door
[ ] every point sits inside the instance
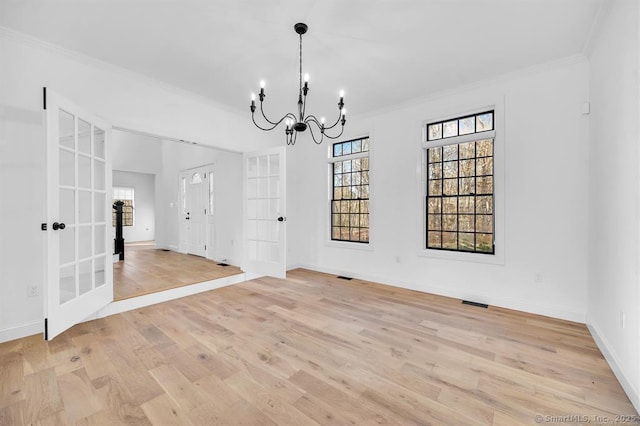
(79, 250)
(264, 211)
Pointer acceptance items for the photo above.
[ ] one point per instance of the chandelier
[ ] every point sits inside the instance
(301, 121)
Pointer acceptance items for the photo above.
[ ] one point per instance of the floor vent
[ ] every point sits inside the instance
(223, 264)
(344, 278)
(476, 304)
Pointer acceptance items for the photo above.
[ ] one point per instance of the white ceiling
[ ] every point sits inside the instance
(381, 52)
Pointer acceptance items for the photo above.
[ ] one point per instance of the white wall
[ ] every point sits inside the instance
(614, 182)
(545, 197)
(143, 185)
(121, 97)
(227, 172)
(133, 152)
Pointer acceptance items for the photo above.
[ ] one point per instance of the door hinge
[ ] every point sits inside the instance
(205, 247)
(43, 226)
(46, 329)
(44, 98)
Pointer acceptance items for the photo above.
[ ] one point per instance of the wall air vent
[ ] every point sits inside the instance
(476, 304)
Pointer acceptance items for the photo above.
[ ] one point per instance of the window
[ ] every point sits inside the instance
(460, 189)
(124, 194)
(350, 194)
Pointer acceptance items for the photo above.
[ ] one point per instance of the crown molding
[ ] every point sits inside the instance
(51, 48)
(476, 85)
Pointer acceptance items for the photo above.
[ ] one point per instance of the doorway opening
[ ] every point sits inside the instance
(164, 250)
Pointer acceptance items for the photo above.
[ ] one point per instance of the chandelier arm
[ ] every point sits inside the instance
(313, 119)
(253, 118)
(266, 119)
(291, 139)
(318, 142)
(336, 136)
(336, 123)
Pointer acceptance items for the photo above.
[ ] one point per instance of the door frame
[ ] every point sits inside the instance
(210, 225)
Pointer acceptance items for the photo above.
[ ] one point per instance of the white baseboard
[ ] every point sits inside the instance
(627, 384)
(21, 330)
(559, 312)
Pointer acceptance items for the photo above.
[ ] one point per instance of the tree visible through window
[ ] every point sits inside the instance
(460, 186)
(350, 199)
(125, 195)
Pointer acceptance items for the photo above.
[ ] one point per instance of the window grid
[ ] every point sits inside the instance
(125, 195)
(460, 197)
(350, 195)
(470, 124)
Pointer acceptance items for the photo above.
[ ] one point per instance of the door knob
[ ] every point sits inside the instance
(59, 226)
(281, 219)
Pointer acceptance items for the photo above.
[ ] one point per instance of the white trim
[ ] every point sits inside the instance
(627, 384)
(171, 294)
(497, 104)
(21, 330)
(351, 245)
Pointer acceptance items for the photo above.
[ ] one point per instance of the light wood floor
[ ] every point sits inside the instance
(147, 269)
(311, 349)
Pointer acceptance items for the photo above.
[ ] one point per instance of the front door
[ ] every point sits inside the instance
(79, 243)
(195, 211)
(264, 207)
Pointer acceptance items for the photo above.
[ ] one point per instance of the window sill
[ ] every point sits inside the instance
(349, 245)
(491, 259)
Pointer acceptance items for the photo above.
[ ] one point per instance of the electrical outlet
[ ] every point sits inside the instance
(32, 291)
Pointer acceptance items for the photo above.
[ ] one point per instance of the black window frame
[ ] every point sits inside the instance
(432, 210)
(350, 207)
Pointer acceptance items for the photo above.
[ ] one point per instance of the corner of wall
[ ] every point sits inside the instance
(626, 382)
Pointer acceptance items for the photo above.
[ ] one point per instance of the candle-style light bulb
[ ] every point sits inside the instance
(341, 94)
(306, 77)
(253, 97)
(344, 112)
(262, 84)
(322, 120)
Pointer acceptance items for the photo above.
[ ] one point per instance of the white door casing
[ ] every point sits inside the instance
(264, 187)
(79, 273)
(196, 221)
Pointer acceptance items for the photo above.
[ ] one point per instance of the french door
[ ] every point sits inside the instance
(79, 244)
(264, 212)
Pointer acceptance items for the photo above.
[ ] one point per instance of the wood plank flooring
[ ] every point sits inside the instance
(147, 269)
(310, 349)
